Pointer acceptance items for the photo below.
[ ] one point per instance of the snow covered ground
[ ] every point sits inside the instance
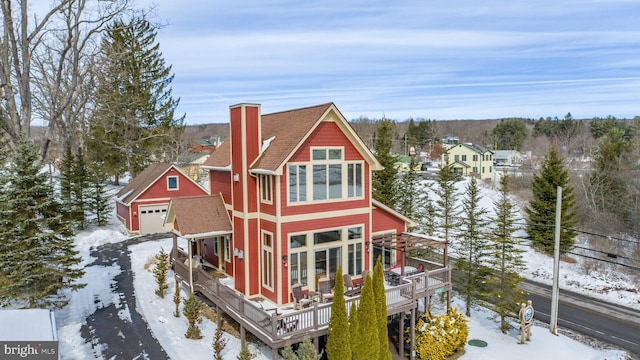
(170, 330)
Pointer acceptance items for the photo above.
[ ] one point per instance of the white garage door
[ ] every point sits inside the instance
(152, 218)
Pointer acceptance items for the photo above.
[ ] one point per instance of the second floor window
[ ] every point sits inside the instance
(329, 178)
(265, 188)
(464, 157)
(475, 157)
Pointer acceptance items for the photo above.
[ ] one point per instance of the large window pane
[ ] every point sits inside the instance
(297, 183)
(354, 180)
(296, 241)
(335, 181)
(319, 182)
(326, 236)
(293, 183)
(302, 183)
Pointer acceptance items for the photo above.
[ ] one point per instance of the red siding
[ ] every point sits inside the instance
(220, 183)
(238, 264)
(123, 212)
(386, 222)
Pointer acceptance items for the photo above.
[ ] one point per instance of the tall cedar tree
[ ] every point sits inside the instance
(38, 261)
(366, 346)
(406, 197)
(446, 202)
(541, 212)
(471, 246)
(384, 181)
(505, 259)
(160, 272)
(354, 329)
(338, 344)
(380, 297)
(134, 119)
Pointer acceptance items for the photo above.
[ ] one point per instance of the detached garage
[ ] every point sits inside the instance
(142, 204)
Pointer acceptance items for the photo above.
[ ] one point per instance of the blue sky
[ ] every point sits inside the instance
(422, 59)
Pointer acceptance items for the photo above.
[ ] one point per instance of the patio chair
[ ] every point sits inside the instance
(352, 288)
(324, 287)
(300, 301)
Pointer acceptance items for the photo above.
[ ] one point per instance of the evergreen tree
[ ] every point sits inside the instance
(192, 311)
(407, 193)
(505, 259)
(354, 329)
(338, 345)
(160, 272)
(366, 346)
(384, 181)
(176, 299)
(38, 261)
(541, 212)
(446, 202)
(79, 189)
(219, 343)
(97, 197)
(380, 298)
(66, 175)
(246, 353)
(427, 214)
(471, 246)
(134, 121)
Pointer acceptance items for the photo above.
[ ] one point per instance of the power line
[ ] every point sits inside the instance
(585, 232)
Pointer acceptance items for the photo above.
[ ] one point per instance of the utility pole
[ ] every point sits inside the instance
(553, 322)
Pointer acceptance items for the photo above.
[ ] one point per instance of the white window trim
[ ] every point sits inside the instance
(227, 248)
(268, 250)
(177, 183)
(266, 196)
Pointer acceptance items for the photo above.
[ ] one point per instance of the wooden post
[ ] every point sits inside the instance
(401, 336)
(412, 328)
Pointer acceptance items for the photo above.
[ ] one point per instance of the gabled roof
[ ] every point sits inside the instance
(288, 130)
(198, 216)
(477, 148)
(144, 180)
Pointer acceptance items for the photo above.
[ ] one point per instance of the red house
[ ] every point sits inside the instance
(297, 188)
(142, 204)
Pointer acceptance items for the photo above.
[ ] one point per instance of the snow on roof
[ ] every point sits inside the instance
(266, 143)
(28, 325)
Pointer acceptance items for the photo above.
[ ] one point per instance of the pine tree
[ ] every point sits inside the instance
(176, 299)
(505, 259)
(366, 346)
(380, 298)
(160, 272)
(407, 193)
(38, 261)
(471, 246)
(246, 353)
(446, 202)
(384, 181)
(134, 120)
(338, 345)
(427, 213)
(541, 212)
(97, 198)
(79, 189)
(219, 343)
(192, 311)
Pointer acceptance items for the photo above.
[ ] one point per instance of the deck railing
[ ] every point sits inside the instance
(276, 328)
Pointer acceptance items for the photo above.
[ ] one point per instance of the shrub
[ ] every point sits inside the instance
(441, 336)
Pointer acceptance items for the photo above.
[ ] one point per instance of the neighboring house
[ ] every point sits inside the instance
(205, 145)
(191, 164)
(142, 204)
(450, 139)
(469, 160)
(507, 158)
(403, 162)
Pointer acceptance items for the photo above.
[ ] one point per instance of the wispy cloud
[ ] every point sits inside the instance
(404, 59)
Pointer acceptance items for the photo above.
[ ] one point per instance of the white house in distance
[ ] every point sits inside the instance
(469, 160)
(507, 158)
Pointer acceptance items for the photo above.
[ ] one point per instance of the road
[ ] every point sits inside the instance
(613, 324)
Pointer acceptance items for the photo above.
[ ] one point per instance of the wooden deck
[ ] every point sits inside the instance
(290, 325)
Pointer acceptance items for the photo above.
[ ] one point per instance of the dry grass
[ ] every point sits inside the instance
(151, 262)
